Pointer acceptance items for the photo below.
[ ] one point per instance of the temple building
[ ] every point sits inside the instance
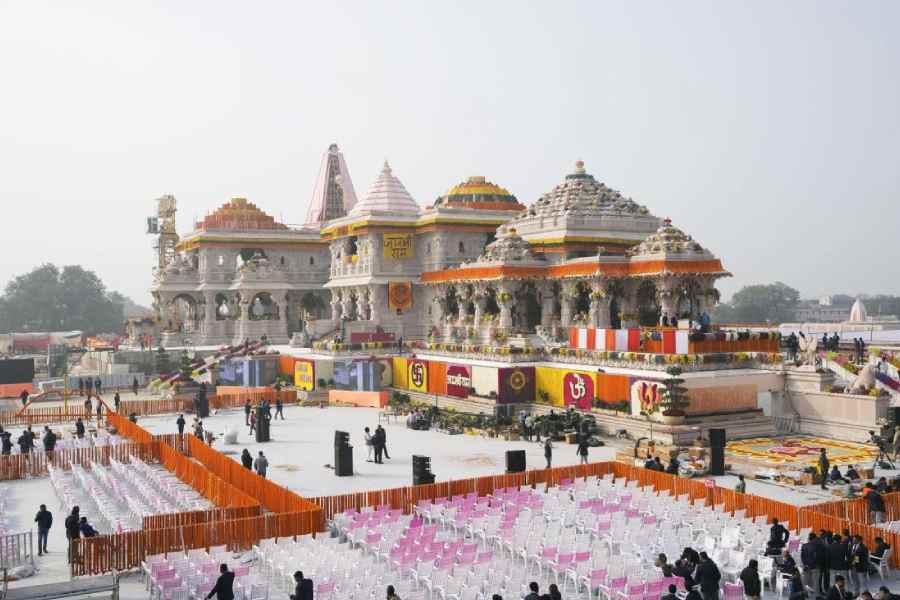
(476, 265)
(582, 297)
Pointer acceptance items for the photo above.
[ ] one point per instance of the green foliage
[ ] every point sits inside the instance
(399, 400)
(675, 398)
(47, 299)
(773, 303)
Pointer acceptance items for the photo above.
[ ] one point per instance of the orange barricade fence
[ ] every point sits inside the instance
(155, 407)
(221, 400)
(126, 428)
(237, 399)
(200, 516)
(201, 479)
(20, 466)
(123, 551)
(178, 442)
(44, 415)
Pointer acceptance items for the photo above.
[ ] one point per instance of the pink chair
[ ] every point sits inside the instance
(325, 589)
(593, 581)
(559, 566)
(613, 586)
(734, 591)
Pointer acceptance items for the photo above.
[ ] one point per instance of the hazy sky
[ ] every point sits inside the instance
(767, 130)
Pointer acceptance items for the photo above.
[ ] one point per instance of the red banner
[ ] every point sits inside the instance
(459, 380)
(578, 390)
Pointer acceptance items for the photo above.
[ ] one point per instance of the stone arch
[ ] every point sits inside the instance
(582, 298)
(648, 304)
(263, 307)
(184, 315)
(313, 305)
(527, 313)
(223, 309)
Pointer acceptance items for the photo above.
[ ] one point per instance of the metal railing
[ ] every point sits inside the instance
(16, 549)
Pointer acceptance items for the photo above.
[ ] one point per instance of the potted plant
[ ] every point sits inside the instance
(675, 399)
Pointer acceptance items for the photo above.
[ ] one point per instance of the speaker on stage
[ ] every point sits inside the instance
(343, 454)
(716, 452)
(262, 424)
(893, 416)
(421, 467)
(515, 461)
(717, 438)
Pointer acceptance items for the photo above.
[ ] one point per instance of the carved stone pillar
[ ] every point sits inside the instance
(504, 301)
(439, 307)
(209, 312)
(347, 305)
(480, 300)
(335, 306)
(567, 300)
(599, 312)
(548, 300)
(362, 303)
(628, 306)
(376, 302)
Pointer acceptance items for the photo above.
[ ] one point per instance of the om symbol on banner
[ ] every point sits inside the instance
(578, 390)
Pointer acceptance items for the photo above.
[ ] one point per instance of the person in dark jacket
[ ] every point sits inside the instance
(117, 401)
(303, 588)
(73, 529)
(247, 410)
(24, 397)
(838, 559)
(247, 459)
(750, 579)
(49, 439)
(859, 564)
(812, 554)
(80, 386)
(224, 588)
(823, 466)
(548, 451)
(876, 504)
(880, 548)
(838, 590)
(787, 564)
(778, 535)
(87, 530)
(134, 386)
(79, 428)
(279, 404)
(662, 563)
(708, 576)
(23, 442)
(378, 445)
(380, 431)
(44, 520)
(797, 591)
(180, 422)
(89, 387)
(672, 595)
(97, 384)
(6, 443)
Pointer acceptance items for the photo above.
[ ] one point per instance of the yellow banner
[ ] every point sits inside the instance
(418, 376)
(398, 246)
(304, 375)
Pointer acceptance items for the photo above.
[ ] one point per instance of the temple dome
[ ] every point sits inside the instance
(509, 247)
(478, 193)
(669, 240)
(387, 194)
(582, 195)
(858, 313)
(239, 215)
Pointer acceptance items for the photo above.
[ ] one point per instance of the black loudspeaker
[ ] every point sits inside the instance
(201, 404)
(343, 454)
(421, 467)
(717, 438)
(343, 461)
(515, 461)
(262, 424)
(717, 460)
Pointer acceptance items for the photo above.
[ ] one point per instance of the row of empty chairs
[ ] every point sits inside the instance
(118, 497)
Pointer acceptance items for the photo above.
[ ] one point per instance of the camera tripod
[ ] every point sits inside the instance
(883, 457)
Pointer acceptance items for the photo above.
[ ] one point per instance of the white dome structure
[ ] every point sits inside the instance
(387, 195)
(858, 312)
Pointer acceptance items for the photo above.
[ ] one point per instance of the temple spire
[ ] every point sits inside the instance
(333, 195)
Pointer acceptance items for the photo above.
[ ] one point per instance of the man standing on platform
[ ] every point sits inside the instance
(44, 520)
(180, 422)
(823, 467)
(117, 401)
(279, 405)
(247, 409)
(261, 464)
(380, 432)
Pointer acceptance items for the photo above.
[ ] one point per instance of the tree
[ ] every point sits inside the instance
(47, 299)
(772, 303)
